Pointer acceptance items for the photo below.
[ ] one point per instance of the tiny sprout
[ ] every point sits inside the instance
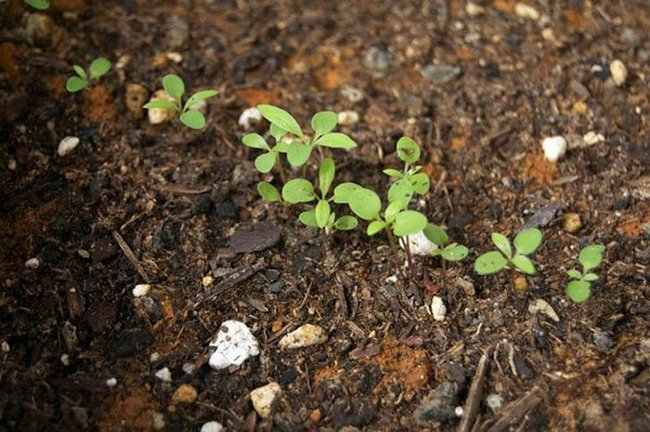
(579, 288)
(526, 242)
(82, 80)
(189, 115)
(451, 252)
(36, 4)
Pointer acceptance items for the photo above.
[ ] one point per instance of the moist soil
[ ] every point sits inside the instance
(137, 203)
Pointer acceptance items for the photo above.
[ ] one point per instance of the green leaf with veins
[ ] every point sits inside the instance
(336, 140)
(590, 277)
(578, 291)
(454, 252)
(527, 241)
(298, 153)
(365, 204)
(174, 86)
(277, 132)
(80, 71)
(99, 67)
(281, 119)
(343, 191)
(390, 172)
(298, 191)
(160, 104)
(502, 244)
(199, 96)
(490, 262)
(401, 190)
(375, 226)
(574, 274)
(409, 222)
(323, 122)
(523, 263)
(420, 183)
(308, 218)
(268, 192)
(393, 209)
(591, 256)
(326, 175)
(265, 162)
(193, 119)
(346, 223)
(254, 140)
(75, 84)
(408, 150)
(436, 234)
(322, 212)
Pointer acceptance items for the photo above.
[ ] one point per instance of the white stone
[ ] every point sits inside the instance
(352, 94)
(523, 10)
(158, 421)
(459, 411)
(141, 290)
(554, 148)
(164, 375)
(12, 165)
(542, 306)
(591, 138)
(494, 401)
(67, 144)
(65, 359)
(234, 344)
(348, 118)
(32, 263)
(189, 368)
(160, 115)
(212, 426)
(5, 347)
(263, 398)
(304, 336)
(111, 382)
(472, 9)
(619, 72)
(419, 244)
(154, 357)
(438, 308)
(207, 281)
(174, 56)
(249, 117)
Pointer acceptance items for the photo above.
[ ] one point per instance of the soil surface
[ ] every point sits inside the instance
(478, 85)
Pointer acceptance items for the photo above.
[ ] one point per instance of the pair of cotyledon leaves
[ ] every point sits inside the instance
(525, 242)
(97, 68)
(579, 289)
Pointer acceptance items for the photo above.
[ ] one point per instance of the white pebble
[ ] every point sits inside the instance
(418, 243)
(158, 421)
(591, 138)
(189, 368)
(67, 144)
(234, 344)
(207, 281)
(391, 279)
(494, 401)
(348, 118)
(32, 263)
(12, 165)
(304, 336)
(554, 148)
(522, 10)
(174, 56)
(619, 72)
(141, 290)
(263, 398)
(352, 94)
(459, 411)
(212, 426)
(111, 382)
(5, 347)
(542, 306)
(164, 375)
(154, 357)
(249, 117)
(472, 9)
(83, 253)
(160, 115)
(65, 359)
(438, 308)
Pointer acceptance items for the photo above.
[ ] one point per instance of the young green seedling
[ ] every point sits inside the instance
(450, 252)
(579, 289)
(526, 242)
(36, 4)
(188, 114)
(410, 181)
(83, 79)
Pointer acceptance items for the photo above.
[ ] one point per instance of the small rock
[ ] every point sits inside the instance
(438, 405)
(111, 382)
(440, 73)
(602, 341)
(592, 138)
(212, 426)
(164, 375)
(522, 10)
(352, 94)
(494, 402)
(134, 98)
(315, 416)
(83, 253)
(174, 56)
(571, 222)
(459, 411)
(67, 144)
(249, 117)
(543, 216)
(263, 398)
(618, 71)
(189, 368)
(141, 290)
(304, 336)
(206, 281)
(438, 308)
(32, 263)
(418, 243)
(542, 306)
(275, 287)
(234, 344)
(65, 359)
(554, 147)
(178, 31)
(521, 284)
(377, 59)
(154, 357)
(185, 394)
(472, 9)
(5, 347)
(160, 115)
(348, 118)
(158, 421)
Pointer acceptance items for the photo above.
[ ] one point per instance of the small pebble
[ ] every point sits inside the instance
(160, 115)
(440, 73)
(158, 421)
(189, 368)
(472, 9)
(154, 357)
(619, 72)
(352, 94)
(174, 56)
(83, 253)
(212, 426)
(234, 344)
(249, 117)
(438, 308)
(348, 118)
(459, 411)
(304, 336)
(542, 306)
(554, 147)
(12, 164)
(523, 10)
(207, 281)
(164, 375)
(377, 59)
(134, 98)
(419, 244)
(111, 382)
(315, 416)
(592, 138)
(521, 284)
(185, 394)
(494, 402)
(65, 359)
(571, 222)
(602, 341)
(5, 347)
(141, 290)
(67, 144)
(32, 263)
(263, 398)
(277, 326)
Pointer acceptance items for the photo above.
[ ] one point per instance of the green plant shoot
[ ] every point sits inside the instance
(450, 252)
(526, 242)
(579, 288)
(82, 80)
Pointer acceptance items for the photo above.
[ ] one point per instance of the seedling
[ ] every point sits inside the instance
(36, 4)
(188, 114)
(579, 288)
(450, 252)
(526, 242)
(83, 79)
(410, 181)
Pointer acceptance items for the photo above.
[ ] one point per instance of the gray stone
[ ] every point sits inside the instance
(440, 73)
(377, 59)
(438, 405)
(602, 341)
(178, 32)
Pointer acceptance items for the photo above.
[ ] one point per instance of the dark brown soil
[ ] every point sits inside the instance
(175, 198)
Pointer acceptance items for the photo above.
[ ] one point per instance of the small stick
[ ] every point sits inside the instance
(391, 241)
(131, 256)
(234, 279)
(475, 392)
(518, 409)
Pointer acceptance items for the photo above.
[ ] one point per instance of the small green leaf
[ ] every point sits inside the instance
(502, 244)
(174, 86)
(298, 191)
(323, 212)
(336, 140)
(298, 153)
(281, 147)
(277, 132)
(265, 162)
(454, 252)
(375, 226)
(390, 172)
(38, 4)
(401, 190)
(308, 218)
(527, 241)
(420, 183)
(574, 274)
(346, 223)
(160, 104)
(200, 96)
(591, 256)
(281, 119)
(490, 262)
(578, 291)
(524, 264)
(75, 84)
(590, 277)
(409, 222)
(326, 175)
(365, 204)
(193, 119)
(436, 234)
(99, 67)
(408, 150)
(255, 141)
(323, 122)
(80, 71)
(393, 209)
(268, 192)
(343, 191)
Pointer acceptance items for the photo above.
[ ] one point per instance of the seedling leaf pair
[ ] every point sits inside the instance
(451, 252)
(526, 242)
(36, 4)
(82, 80)
(579, 288)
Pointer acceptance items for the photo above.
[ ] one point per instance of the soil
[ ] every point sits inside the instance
(136, 203)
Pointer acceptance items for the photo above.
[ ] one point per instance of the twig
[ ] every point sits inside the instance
(233, 279)
(475, 392)
(131, 256)
(518, 409)
(182, 190)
